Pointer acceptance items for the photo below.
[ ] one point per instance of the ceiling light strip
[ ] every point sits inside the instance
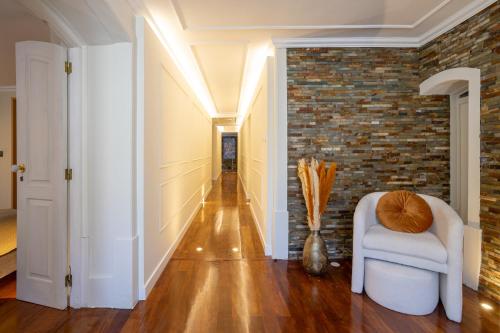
(190, 71)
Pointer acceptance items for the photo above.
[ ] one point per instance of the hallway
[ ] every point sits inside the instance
(223, 229)
(219, 280)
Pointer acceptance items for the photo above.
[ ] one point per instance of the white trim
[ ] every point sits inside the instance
(76, 105)
(279, 163)
(450, 82)
(268, 186)
(452, 21)
(146, 288)
(461, 16)
(446, 83)
(139, 136)
(267, 249)
(7, 89)
(346, 42)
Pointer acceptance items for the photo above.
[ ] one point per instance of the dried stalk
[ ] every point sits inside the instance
(316, 187)
(326, 187)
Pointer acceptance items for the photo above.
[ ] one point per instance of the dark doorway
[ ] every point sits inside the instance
(229, 151)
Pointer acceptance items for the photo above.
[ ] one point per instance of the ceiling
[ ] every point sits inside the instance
(224, 36)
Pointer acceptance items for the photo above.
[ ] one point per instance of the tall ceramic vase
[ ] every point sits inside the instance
(315, 256)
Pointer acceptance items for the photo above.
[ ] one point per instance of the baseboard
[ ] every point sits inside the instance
(217, 177)
(8, 212)
(267, 249)
(243, 186)
(150, 283)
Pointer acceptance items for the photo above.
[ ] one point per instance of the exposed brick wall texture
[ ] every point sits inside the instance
(476, 43)
(360, 107)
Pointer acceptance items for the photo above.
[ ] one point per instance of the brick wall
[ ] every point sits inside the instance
(476, 43)
(360, 107)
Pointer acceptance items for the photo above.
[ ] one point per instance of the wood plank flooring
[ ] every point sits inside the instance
(220, 281)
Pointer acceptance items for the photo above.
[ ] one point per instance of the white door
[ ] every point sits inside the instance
(42, 189)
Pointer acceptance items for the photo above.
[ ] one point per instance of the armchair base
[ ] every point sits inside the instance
(401, 288)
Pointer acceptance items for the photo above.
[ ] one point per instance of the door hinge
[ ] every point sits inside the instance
(68, 280)
(68, 67)
(68, 174)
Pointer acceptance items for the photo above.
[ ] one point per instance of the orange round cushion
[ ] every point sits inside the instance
(404, 211)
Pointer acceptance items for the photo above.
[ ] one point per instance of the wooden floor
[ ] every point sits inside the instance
(220, 281)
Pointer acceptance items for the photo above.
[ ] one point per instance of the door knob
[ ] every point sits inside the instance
(19, 168)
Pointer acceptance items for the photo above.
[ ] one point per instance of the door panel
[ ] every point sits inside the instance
(42, 188)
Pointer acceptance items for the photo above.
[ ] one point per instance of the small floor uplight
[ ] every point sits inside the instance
(486, 306)
(199, 249)
(235, 249)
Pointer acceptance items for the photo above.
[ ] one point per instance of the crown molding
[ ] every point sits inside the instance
(4, 89)
(461, 16)
(345, 42)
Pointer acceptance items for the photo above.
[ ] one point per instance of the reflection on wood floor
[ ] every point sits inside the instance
(220, 281)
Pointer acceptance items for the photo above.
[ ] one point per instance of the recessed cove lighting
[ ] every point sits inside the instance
(184, 60)
(199, 249)
(254, 66)
(486, 306)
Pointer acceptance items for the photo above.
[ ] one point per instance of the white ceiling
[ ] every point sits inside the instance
(223, 35)
(222, 68)
(198, 15)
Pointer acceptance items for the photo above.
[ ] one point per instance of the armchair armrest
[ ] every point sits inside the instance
(364, 217)
(449, 228)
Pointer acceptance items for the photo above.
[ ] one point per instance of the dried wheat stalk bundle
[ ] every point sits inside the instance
(317, 183)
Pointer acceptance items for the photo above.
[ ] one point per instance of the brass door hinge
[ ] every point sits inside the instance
(68, 280)
(68, 174)
(68, 67)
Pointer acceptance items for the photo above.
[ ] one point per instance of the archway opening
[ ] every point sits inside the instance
(463, 85)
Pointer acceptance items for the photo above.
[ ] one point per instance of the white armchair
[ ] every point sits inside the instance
(438, 249)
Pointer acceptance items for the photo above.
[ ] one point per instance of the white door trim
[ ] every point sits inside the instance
(77, 134)
(452, 82)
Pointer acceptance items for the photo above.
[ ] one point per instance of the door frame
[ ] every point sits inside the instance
(76, 158)
(455, 167)
(453, 82)
(229, 134)
(13, 102)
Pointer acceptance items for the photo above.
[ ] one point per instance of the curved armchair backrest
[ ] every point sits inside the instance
(445, 217)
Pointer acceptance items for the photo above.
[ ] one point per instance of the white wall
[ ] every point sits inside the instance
(216, 153)
(177, 153)
(108, 240)
(253, 157)
(6, 147)
(15, 30)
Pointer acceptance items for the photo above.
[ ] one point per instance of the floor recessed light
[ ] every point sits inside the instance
(486, 306)
(199, 249)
